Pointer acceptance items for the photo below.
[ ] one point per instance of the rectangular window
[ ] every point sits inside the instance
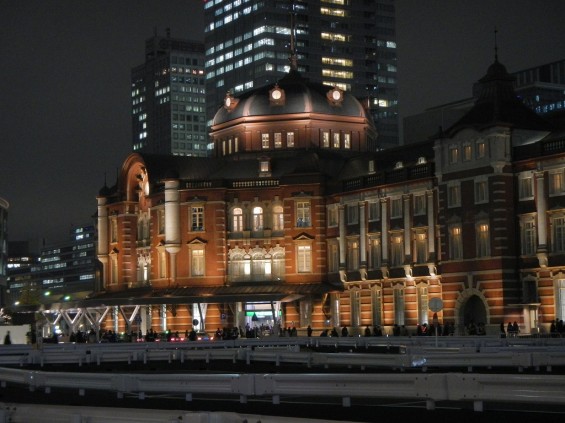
(333, 215)
(419, 204)
(453, 155)
(325, 139)
(481, 192)
(352, 255)
(483, 240)
(197, 262)
(421, 248)
(352, 214)
(375, 253)
(304, 258)
(454, 196)
(556, 183)
(278, 140)
(526, 188)
(303, 214)
(197, 218)
(467, 152)
(290, 139)
(347, 141)
(265, 141)
(455, 243)
(559, 234)
(114, 230)
(396, 251)
(374, 211)
(336, 139)
(396, 208)
(481, 149)
(333, 258)
(528, 238)
(162, 264)
(278, 218)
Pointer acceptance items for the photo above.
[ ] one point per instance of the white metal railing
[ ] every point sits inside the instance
(478, 388)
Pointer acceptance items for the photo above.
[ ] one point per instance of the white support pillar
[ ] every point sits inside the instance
(342, 252)
(172, 224)
(407, 226)
(362, 235)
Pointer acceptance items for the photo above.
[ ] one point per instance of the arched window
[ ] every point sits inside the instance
(257, 218)
(237, 219)
(278, 218)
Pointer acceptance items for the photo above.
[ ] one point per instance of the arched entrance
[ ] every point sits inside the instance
(471, 307)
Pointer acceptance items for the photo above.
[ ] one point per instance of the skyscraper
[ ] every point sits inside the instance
(168, 97)
(343, 43)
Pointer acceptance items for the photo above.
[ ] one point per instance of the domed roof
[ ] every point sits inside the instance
(296, 95)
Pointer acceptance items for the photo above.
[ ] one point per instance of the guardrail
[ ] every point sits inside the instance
(477, 388)
(348, 352)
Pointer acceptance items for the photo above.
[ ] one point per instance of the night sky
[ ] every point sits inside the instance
(65, 85)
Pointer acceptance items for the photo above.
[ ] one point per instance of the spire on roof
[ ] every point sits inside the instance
(495, 45)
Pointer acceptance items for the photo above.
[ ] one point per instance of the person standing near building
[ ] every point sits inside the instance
(7, 339)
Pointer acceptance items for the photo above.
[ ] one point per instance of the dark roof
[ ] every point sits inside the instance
(497, 104)
(302, 96)
(212, 294)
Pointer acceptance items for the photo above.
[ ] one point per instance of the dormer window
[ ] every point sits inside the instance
(264, 167)
(398, 165)
(421, 160)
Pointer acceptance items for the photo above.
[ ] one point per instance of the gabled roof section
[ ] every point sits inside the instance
(498, 105)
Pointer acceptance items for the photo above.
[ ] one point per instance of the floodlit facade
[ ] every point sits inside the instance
(349, 44)
(168, 98)
(294, 223)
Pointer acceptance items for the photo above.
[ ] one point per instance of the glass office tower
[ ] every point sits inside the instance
(346, 43)
(168, 98)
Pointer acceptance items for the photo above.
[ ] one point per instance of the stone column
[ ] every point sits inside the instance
(172, 224)
(541, 208)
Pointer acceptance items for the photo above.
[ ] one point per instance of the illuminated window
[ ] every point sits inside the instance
(237, 219)
(467, 152)
(332, 36)
(332, 73)
(333, 12)
(278, 140)
(197, 261)
(290, 139)
(374, 253)
(265, 141)
(304, 258)
(421, 248)
(353, 255)
(303, 214)
(337, 61)
(347, 141)
(197, 218)
(336, 139)
(325, 139)
(278, 218)
(455, 243)
(352, 214)
(161, 221)
(333, 215)
(397, 252)
(483, 240)
(257, 218)
(399, 306)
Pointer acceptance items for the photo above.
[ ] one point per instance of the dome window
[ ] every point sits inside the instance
(335, 96)
(277, 96)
